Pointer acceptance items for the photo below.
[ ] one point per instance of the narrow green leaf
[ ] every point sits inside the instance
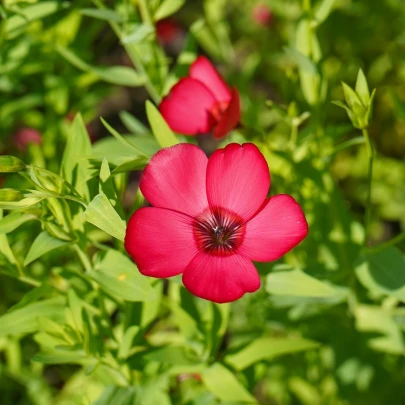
(172, 355)
(43, 244)
(132, 123)
(32, 13)
(127, 341)
(362, 88)
(224, 385)
(167, 8)
(370, 107)
(119, 137)
(139, 34)
(107, 187)
(118, 75)
(75, 305)
(268, 348)
(302, 61)
(350, 96)
(120, 277)
(25, 320)
(160, 129)
(61, 357)
(323, 10)
(102, 214)
(102, 14)
(75, 165)
(297, 283)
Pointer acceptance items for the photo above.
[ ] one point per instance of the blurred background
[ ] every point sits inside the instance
(287, 58)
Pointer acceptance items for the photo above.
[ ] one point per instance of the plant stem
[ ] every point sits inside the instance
(132, 51)
(145, 14)
(370, 154)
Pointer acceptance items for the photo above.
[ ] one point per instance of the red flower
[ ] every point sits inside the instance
(25, 136)
(201, 102)
(168, 31)
(210, 218)
(262, 15)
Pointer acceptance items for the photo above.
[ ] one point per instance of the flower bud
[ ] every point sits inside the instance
(11, 164)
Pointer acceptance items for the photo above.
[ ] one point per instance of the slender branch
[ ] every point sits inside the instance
(133, 53)
(370, 154)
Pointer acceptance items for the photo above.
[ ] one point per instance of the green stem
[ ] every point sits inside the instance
(306, 5)
(132, 51)
(394, 241)
(293, 137)
(83, 258)
(144, 10)
(370, 154)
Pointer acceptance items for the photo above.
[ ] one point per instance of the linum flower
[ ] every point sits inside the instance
(201, 102)
(210, 218)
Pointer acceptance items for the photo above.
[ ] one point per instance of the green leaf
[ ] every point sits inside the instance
(224, 385)
(268, 348)
(383, 272)
(119, 277)
(362, 88)
(351, 97)
(297, 283)
(167, 8)
(120, 138)
(14, 220)
(172, 355)
(132, 123)
(160, 129)
(102, 14)
(114, 395)
(377, 320)
(61, 357)
(75, 165)
(11, 164)
(25, 320)
(323, 10)
(43, 244)
(302, 61)
(102, 214)
(107, 187)
(127, 342)
(139, 34)
(32, 13)
(118, 75)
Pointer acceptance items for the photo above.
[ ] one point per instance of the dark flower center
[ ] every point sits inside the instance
(218, 232)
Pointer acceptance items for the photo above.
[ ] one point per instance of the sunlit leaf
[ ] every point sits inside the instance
(102, 214)
(119, 276)
(225, 386)
(160, 129)
(266, 348)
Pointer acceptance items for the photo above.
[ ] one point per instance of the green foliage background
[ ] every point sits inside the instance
(79, 325)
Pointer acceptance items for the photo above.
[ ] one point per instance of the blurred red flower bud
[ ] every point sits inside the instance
(262, 15)
(25, 136)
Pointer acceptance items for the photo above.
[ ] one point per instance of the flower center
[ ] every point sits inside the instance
(218, 232)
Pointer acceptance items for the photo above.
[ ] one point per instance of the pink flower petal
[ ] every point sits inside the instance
(275, 230)
(238, 179)
(220, 279)
(203, 71)
(160, 241)
(187, 107)
(175, 179)
(230, 117)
